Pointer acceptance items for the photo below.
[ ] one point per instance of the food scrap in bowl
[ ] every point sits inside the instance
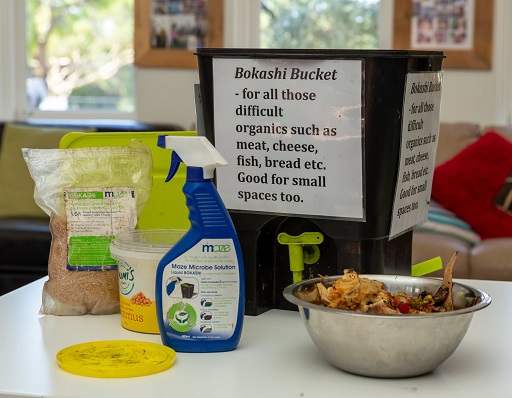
(355, 293)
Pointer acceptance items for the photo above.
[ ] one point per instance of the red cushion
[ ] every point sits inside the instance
(468, 183)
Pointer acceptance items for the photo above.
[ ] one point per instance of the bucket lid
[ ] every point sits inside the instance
(316, 53)
(116, 358)
(145, 243)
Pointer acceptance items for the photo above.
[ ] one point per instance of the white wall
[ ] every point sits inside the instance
(469, 96)
(484, 97)
(165, 96)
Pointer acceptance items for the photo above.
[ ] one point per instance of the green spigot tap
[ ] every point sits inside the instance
(303, 249)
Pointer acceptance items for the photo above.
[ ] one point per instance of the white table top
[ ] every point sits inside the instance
(275, 358)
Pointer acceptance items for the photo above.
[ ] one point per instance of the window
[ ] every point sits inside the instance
(79, 56)
(319, 24)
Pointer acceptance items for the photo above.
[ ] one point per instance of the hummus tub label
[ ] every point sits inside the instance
(138, 317)
(292, 135)
(200, 299)
(137, 295)
(420, 128)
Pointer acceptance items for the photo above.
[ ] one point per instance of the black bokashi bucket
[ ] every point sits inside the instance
(364, 246)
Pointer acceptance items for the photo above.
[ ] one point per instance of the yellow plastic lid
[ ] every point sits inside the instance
(116, 358)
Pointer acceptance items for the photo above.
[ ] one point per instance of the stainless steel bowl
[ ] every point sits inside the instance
(389, 346)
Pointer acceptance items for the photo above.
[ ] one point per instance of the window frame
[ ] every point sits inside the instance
(9, 59)
(241, 30)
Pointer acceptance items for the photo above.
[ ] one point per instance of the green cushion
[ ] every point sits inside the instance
(16, 184)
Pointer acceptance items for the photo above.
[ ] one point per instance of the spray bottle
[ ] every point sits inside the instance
(204, 311)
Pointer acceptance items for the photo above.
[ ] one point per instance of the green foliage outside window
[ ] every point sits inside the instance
(319, 24)
(83, 51)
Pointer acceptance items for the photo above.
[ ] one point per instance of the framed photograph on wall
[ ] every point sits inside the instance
(168, 32)
(462, 29)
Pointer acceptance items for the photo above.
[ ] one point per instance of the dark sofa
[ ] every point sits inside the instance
(25, 241)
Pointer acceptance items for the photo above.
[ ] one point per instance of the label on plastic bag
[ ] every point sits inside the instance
(94, 217)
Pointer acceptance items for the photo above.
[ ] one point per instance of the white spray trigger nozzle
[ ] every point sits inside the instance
(194, 152)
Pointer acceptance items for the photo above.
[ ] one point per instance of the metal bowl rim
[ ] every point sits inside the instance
(288, 294)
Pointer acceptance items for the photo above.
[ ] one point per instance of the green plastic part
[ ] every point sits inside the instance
(302, 249)
(166, 207)
(306, 238)
(427, 267)
(311, 254)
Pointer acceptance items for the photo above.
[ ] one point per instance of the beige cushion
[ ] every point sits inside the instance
(426, 245)
(492, 259)
(453, 138)
(16, 184)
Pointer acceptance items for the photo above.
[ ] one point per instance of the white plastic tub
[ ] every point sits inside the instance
(137, 254)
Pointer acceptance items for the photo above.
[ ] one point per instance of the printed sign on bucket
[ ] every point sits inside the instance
(420, 128)
(291, 132)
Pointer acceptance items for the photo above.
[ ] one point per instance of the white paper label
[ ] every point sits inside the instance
(202, 291)
(420, 128)
(291, 133)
